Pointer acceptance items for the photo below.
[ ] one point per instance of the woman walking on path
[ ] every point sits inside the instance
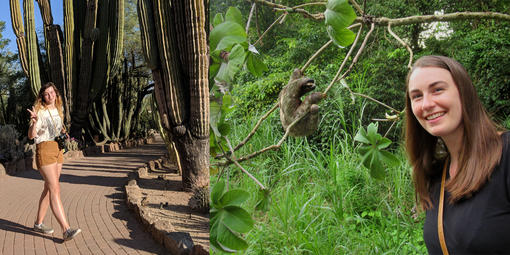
(45, 126)
(460, 159)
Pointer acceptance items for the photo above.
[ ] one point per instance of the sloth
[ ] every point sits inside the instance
(291, 106)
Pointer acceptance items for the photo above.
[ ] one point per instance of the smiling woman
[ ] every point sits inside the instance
(442, 107)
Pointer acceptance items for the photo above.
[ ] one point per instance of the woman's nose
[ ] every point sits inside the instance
(427, 102)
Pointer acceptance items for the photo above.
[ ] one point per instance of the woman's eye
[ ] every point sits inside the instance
(438, 89)
(415, 96)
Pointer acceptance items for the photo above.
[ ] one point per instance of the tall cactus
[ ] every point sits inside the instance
(80, 62)
(175, 47)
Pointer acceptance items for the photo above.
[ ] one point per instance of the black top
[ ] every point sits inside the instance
(480, 224)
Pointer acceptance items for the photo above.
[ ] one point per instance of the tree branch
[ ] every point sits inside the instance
(316, 54)
(356, 6)
(269, 28)
(241, 167)
(383, 21)
(241, 144)
(250, 16)
(403, 43)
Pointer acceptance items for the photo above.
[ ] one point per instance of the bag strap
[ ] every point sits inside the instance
(440, 230)
(53, 121)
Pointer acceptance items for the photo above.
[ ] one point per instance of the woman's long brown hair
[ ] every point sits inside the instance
(39, 101)
(481, 144)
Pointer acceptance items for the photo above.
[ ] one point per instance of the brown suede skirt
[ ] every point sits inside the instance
(47, 153)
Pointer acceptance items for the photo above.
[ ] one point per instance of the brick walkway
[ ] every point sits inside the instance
(93, 196)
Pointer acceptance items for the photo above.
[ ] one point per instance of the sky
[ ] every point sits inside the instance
(5, 15)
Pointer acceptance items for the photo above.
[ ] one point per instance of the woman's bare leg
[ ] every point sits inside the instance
(44, 201)
(51, 174)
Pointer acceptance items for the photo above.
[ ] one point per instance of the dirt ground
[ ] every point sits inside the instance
(164, 199)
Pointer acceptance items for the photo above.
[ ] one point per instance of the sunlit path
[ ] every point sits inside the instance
(93, 198)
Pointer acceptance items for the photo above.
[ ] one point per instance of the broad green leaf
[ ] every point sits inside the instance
(339, 13)
(389, 159)
(218, 19)
(233, 14)
(229, 241)
(217, 192)
(383, 143)
(222, 75)
(229, 31)
(235, 60)
(255, 65)
(342, 37)
(228, 42)
(364, 149)
(237, 219)
(377, 170)
(234, 197)
(337, 20)
(361, 136)
(213, 234)
(372, 134)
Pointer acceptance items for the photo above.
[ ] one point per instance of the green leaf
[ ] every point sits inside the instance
(377, 170)
(235, 60)
(255, 65)
(233, 14)
(229, 241)
(213, 234)
(229, 32)
(222, 75)
(339, 13)
(218, 19)
(389, 159)
(234, 197)
(383, 143)
(237, 219)
(228, 42)
(372, 134)
(342, 37)
(217, 192)
(361, 136)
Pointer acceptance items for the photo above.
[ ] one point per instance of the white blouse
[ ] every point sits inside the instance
(47, 128)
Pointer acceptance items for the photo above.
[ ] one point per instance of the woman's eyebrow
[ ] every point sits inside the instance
(430, 85)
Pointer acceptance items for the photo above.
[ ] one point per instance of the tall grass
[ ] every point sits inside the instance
(325, 202)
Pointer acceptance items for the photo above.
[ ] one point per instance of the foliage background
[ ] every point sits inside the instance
(323, 199)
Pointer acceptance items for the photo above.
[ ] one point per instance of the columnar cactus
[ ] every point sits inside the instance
(175, 47)
(93, 35)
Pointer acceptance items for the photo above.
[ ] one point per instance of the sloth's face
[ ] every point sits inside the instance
(307, 85)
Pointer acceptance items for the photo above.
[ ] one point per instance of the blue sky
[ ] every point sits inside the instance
(5, 15)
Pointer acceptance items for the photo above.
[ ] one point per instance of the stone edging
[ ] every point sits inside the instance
(175, 243)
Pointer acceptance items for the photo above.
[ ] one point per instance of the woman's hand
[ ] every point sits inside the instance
(33, 115)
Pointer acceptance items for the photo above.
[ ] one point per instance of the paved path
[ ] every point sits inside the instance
(93, 196)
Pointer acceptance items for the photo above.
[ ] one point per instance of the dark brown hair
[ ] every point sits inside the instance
(481, 144)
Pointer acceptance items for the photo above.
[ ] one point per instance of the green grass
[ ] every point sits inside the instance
(324, 201)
